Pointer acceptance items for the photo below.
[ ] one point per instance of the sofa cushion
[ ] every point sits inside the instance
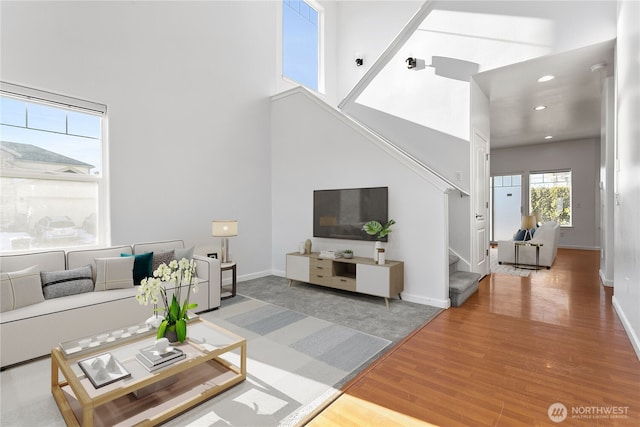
(142, 266)
(114, 273)
(63, 283)
(20, 288)
(162, 258)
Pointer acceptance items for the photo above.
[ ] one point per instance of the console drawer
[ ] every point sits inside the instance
(345, 283)
(320, 278)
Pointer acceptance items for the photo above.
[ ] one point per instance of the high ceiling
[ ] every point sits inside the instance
(572, 98)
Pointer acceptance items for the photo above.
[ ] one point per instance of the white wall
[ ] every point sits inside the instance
(367, 27)
(319, 149)
(607, 174)
(583, 158)
(187, 86)
(626, 293)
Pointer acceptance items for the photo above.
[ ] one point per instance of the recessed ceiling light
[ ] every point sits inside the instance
(548, 137)
(540, 107)
(546, 78)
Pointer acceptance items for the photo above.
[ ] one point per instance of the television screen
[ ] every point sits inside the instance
(340, 214)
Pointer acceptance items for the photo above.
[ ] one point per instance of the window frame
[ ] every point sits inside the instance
(554, 171)
(321, 43)
(31, 95)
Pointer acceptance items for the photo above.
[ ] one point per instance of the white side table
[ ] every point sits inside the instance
(226, 266)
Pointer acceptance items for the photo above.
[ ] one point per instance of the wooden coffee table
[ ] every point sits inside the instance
(200, 376)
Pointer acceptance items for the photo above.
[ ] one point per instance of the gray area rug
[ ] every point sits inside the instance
(298, 357)
(364, 313)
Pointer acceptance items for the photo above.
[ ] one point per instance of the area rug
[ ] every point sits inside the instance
(505, 268)
(295, 363)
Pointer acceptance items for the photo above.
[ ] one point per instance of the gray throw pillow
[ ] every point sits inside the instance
(56, 284)
(161, 257)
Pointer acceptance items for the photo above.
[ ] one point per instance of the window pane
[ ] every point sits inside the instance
(44, 145)
(300, 43)
(38, 213)
(550, 196)
(46, 118)
(13, 112)
(83, 124)
(51, 171)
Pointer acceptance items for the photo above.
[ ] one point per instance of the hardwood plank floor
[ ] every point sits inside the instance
(516, 347)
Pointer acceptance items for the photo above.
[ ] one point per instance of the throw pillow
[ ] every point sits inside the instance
(183, 253)
(114, 273)
(519, 235)
(162, 257)
(142, 264)
(20, 288)
(61, 283)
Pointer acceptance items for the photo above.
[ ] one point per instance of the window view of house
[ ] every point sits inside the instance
(50, 174)
(300, 43)
(550, 196)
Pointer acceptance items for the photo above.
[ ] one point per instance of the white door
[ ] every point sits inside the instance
(480, 234)
(507, 206)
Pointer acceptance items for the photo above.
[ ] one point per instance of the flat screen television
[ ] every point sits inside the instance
(340, 214)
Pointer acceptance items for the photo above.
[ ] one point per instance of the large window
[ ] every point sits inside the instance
(52, 181)
(550, 196)
(301, 53)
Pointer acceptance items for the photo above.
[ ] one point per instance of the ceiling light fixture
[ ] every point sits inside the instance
(548, 137)
(546, 78)
(540, 107)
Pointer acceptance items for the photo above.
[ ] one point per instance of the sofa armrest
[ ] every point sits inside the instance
(208, 269)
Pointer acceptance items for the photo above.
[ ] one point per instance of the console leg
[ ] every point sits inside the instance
(399, 297)
(386, 300)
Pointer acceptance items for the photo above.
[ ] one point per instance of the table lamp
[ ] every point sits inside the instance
(528, 222)
(224, 228)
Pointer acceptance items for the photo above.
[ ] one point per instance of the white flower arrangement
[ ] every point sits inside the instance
(178, 274)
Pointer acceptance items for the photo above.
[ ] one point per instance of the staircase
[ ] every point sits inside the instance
(462, 284)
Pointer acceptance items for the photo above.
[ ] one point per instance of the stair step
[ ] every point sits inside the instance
(462, 284)
(453, 263)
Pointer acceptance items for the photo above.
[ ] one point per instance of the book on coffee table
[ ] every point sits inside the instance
(153, 359)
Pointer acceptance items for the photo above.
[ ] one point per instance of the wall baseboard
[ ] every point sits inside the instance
(604, 280)
(584, 248)
(440, 303)
(635, 342)
(227, 280)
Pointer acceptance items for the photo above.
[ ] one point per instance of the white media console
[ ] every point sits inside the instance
(357, 274)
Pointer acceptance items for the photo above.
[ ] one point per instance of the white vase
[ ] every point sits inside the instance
(377, 246)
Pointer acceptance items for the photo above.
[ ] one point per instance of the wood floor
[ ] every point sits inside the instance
(516, 347)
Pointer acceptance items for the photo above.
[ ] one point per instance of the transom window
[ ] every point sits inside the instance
(550, 196)
(52, 184)
(301, 53)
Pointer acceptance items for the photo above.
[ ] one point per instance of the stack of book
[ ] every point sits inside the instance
(152, 359)
(331, 254)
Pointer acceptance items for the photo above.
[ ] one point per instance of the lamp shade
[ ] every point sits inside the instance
(528, 222)
(224, 228)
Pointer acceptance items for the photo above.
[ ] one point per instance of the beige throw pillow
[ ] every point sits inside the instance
(114, 273)
(20, 288)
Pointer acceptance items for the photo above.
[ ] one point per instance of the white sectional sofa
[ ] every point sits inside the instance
(33, 330)
(547, 234)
